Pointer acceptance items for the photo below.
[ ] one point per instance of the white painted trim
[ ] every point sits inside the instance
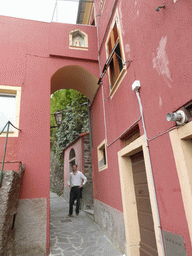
(99, 155)
(182, 150)
(13, 90)
(129, 199)
(124, 69)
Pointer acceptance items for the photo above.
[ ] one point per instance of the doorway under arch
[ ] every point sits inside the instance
(71, 159)
(82, 80)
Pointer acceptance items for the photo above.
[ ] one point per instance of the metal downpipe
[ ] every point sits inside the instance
(152, 179)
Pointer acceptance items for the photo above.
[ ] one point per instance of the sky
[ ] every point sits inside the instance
(7, 111)
(41, 10)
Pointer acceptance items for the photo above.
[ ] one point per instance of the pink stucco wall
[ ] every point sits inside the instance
(26, 61)
(59, 44)
(158, 43)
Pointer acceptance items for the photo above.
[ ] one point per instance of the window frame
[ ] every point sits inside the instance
(14, 90)
(101, 155)
(102, 3)
(128, 196)
(112, 57)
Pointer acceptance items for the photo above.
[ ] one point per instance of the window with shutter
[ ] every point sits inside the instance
(115, 55)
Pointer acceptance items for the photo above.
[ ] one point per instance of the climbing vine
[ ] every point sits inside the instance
(75, 119)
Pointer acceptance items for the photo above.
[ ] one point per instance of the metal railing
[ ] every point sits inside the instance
(7, 125)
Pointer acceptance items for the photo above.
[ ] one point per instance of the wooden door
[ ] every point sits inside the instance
(148, 242)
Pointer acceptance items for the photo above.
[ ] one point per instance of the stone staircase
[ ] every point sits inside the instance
(9, 194)
(87, 200)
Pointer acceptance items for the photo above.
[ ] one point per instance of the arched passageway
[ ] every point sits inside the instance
(76, 78)
(80, 79)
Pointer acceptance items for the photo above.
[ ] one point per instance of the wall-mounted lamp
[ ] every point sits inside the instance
(58, 117)
(179, 117)
(159, 7)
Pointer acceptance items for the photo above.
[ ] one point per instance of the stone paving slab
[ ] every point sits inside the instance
(76, 236)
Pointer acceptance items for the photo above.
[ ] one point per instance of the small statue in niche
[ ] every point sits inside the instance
(77, 42)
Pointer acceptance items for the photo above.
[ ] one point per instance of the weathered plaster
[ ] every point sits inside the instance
(160, 62)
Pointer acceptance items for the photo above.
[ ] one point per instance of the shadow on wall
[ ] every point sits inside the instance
(56, 176)
(76, 78)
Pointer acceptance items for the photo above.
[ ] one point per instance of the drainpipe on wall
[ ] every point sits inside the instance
(100, 71)
(135, 87)
(90, 130)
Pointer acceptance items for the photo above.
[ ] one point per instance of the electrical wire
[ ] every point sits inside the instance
(72, 1)
(173, 128)
(83, 1)
(124, 62)
(54, 10)
(125, 131)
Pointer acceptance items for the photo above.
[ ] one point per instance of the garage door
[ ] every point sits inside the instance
(148, 242)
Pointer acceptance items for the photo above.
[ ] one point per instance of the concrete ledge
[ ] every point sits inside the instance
(111, 221)
(30, 227)
(9, 194)
(90, 213)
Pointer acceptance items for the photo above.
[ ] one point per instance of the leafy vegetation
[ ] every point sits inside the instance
(75, 119)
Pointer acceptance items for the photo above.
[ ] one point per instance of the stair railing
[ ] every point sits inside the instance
(7, 125)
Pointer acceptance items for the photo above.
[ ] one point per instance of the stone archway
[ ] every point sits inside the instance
(77, 78)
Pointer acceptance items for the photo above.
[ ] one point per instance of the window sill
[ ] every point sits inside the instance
(118, 81)
(102, 168)
(78, 48)
(10, 134)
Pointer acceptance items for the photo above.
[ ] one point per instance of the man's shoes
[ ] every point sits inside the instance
(69, 215)
(77, 215)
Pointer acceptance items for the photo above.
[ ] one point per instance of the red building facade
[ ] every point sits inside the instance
(141, 162)
(152, 45)
(37, 59)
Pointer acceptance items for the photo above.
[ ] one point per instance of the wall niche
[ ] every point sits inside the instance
(78, 40)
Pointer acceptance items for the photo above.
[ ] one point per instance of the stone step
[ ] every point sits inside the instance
(89, 207)
(90, 213)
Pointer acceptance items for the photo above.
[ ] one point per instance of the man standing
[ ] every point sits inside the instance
(75, 182)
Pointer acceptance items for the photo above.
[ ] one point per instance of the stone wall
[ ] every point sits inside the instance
(30, 227)
(9, 194)
(88, 188)
(66, 193)
(56, 176)
(111, 221)
(87, 157)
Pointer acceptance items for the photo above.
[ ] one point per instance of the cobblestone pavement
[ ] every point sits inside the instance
(76, 236)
